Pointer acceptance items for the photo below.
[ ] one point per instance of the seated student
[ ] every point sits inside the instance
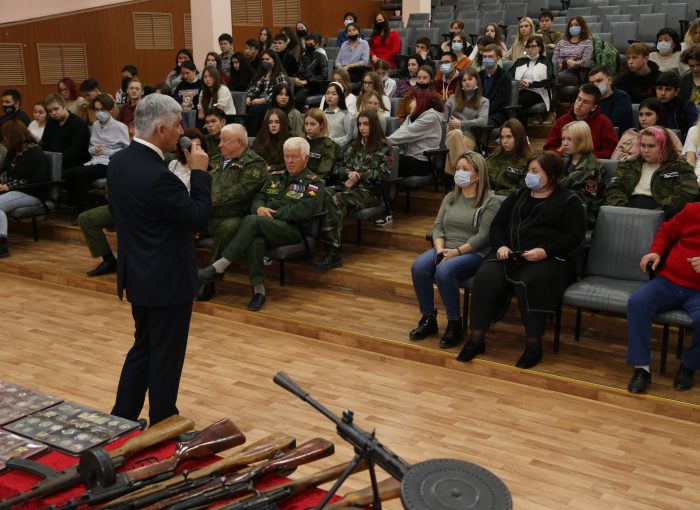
(107, 137)
(24, 165)
(464, 110)
(583, 173)
(259, 94)
(214, 122)
(282, 99)
(187, 92)
(134, 93)
(341, 123)
(423, 50)
(313, 71)
(93, 221)
(676, 286)
(293, 42)
(289, 63)
(550, 37)
(460, 242)
(384, 42)
(656, 179)
(526, 29)
(372, 81)
(421, 131)
(90, 89)
(690, 82)
(214, 60)
(615, 104)
(353, 55)
(252, 52)
(691, 149)
(639, 81)
(586, 108)
(372, 100)
(366, 160)
(535, 76)
(668, 51)
(532, 237)
(651, 113)
(456, 27)
(447, 77)
(507, 164)
(214, 94)
(407, 80)
(324, 152)
(11, 107)
(679, 114)
(494, 31)
(572, 52)
(341, 76)
(36, 126)
(348, 18)
(174, 77)
(226, 47)
(74, 101)
(477, 57)
(425, 80)
(462, 49)
(271, 137)
(496, 85)
(65, 133)
(388, 84)
(241, 73)
(265, 38)
(274, 209)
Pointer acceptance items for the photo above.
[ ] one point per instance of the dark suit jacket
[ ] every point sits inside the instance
(156, 219)
(499, 93)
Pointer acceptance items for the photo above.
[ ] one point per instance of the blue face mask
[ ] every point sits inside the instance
(102, 116)
(463, 178)
(347, 22)
(664, 46)
(266, 65)
(603, 89)
(574, 31)
(489, 63)
(532, 181)
(458, 46)
(445, 68)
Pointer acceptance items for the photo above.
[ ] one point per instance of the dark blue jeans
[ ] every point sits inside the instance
(657, 296)
(448, 275)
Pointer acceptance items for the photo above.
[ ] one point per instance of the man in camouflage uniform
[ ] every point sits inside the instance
(214, 122)
(233, 185)
(357, 173)
(288, 196)
(586, 179)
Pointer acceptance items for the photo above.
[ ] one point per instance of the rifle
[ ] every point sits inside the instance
(256, 452)
(269, 499)
(242, 482)
(162, 431)
(217, 437)
(388, 489)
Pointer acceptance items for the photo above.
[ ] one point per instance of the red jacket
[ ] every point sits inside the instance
(680, 235)
(386, 51)
(602, 131)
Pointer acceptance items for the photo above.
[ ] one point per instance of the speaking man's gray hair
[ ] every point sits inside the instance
(152, 111)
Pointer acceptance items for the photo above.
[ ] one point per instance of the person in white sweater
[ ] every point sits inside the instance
(214, 94)
(341, 123)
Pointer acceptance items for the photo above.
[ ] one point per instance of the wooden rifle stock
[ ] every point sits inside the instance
(388, 489)
(255, 452)
(239, 483)
(162, 431)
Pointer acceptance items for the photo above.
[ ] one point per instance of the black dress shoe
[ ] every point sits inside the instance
(104, 267)
(427, 326)
(453, 334)
(331, 260)
(209, 275)
(529, 359)
(256, 302)
(470, 351)
(205, 292)
(684, 379)
(641, 379)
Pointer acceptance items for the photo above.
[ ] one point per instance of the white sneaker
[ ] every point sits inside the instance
(383, 222)
(267, 261)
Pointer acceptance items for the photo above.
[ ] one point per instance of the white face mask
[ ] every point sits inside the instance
(463, 178)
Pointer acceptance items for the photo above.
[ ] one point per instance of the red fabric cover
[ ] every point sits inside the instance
(680, 234)
(14, 481)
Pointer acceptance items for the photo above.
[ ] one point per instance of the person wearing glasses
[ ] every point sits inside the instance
(535, 76)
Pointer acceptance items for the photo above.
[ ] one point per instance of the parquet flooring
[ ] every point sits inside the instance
(553, 450)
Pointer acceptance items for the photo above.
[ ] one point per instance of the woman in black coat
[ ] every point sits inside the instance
(532, 237)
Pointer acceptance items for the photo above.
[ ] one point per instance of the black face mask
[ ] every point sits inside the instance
(310, 49)
(423, 85)
(301, 34)
(9, 109)
(380, 25)
(125, 82)
(353, 37)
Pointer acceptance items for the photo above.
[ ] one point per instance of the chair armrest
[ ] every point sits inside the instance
(38, 185)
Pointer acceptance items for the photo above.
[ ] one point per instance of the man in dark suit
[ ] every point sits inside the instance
(496, 85)
(156, 219)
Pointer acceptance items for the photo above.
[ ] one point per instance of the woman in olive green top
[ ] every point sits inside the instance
(507, 165)
(460, 242)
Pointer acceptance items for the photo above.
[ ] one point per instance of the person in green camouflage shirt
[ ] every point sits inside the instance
(214, 122)
(656, 179)
(233, 186)
(325, 153)
(507, 165)
(366, 160)
(584, 175)
(287, 197)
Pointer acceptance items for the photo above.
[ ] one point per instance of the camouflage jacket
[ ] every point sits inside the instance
(586, 180)
(373, 166)
(293, 197)
(672, 186)
(506, 176)
(211, 145)
(324, 155)
(235, 182)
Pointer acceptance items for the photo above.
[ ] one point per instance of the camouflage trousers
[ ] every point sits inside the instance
(223, 230)
(339, 204)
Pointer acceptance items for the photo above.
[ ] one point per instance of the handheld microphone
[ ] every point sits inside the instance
(185, 142)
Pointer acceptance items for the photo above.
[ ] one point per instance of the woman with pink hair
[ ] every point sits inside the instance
(74, 101)
(656, 179)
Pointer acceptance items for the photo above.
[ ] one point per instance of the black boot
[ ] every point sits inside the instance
(533, 353)
(474, 346)
(331, 260)
(205, 291)
(453, 334)
(427, 326)
(4, 250)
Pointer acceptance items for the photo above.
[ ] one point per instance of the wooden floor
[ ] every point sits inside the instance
(553, 450)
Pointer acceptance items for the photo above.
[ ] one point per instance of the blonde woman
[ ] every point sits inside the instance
(526, 29)
(692, 36)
